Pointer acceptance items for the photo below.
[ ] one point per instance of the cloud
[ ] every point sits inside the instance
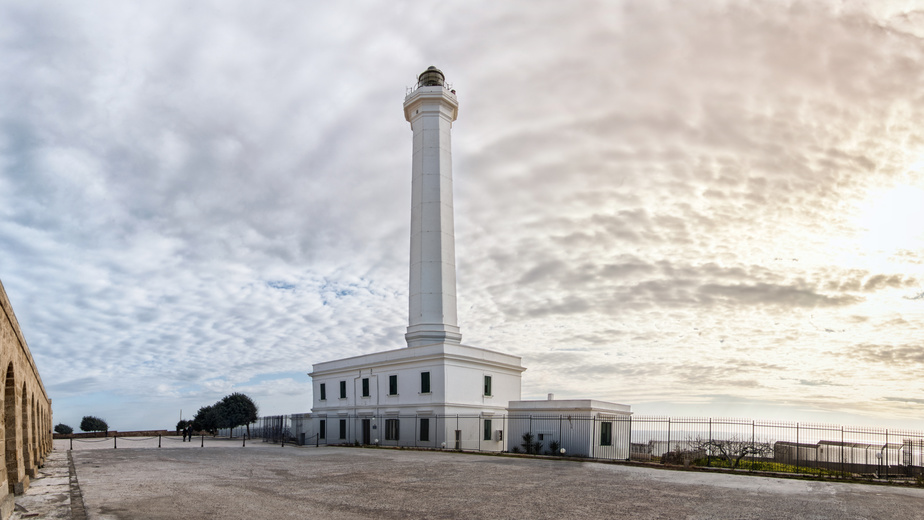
(192, 197)
(898, 355)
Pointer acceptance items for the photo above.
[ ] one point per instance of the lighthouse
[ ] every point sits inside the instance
(405, 396)
(431, 109)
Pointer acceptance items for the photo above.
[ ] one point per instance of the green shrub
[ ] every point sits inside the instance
(555, 447)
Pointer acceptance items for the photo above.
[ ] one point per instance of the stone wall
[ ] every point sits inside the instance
(26, 432)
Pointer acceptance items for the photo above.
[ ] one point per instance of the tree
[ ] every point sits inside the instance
(63, 429)
(237, 409)
(90, 423)
(182, 425)
(732, 450)
(207, 419)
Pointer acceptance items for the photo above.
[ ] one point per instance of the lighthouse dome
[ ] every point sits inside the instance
(432, 77)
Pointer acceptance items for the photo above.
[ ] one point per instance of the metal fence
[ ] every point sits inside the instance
(743, 444)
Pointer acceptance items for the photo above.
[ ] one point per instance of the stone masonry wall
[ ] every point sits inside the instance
(26, 427)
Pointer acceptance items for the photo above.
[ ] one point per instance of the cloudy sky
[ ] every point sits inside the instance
(695, 208)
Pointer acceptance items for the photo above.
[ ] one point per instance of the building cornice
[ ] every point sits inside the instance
(419, 356)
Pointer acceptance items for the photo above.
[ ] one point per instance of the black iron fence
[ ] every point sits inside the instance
(742, 444)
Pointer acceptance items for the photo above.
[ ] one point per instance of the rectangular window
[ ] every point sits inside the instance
(487, 385)
(343, 389)
(487, 429)
(391, 429)
(343, 428)
(606, 434)
(322, 429)
(323, 392)
(425, 429)
(365, 387)
(392, 385)
(425, 382)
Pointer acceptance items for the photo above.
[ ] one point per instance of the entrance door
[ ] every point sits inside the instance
(367, 435)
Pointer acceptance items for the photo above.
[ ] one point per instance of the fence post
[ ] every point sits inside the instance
(886, 453)
(72, 444)
(668, 434)
(629, 451)
(799, 450)
(842, 452)
(593, 435)
(243, 441)
(115, 443)
(158, 440)
(202, 441)
(709, 451)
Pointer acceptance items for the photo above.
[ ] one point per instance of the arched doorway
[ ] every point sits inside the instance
(9, 428)
(26, 452)
(33, 445)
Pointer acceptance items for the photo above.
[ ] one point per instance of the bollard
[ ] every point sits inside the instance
(72, 444)
(158, 441)
(243, 441)
(115, 443)
(203, 441)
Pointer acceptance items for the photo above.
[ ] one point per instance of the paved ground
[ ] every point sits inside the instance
(225, 481)
(49, 495)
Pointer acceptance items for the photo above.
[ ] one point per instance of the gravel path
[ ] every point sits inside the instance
(226, 481)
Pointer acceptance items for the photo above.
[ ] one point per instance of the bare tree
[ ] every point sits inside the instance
(733, 449)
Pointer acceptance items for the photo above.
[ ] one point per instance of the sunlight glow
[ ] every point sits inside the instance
(893, 220)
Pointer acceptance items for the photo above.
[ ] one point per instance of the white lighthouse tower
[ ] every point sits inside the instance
(431, 108)
(437, 392)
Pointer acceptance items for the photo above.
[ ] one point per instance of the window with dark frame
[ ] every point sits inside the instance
(323, 392)
(425, 429)
(606, 434)
(487, 429)
(393, 385)
(391, 429)
(365, 387)
(342, 428)
(343, 389)
(425, 382)
(487, 385)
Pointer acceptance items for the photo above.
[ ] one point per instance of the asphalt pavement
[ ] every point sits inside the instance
(225, 480)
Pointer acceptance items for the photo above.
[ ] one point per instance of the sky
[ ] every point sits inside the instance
(706, 208)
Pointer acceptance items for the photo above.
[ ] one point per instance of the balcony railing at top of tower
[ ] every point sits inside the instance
(446, 86)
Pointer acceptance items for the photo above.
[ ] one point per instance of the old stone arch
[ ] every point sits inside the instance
(26, 452)
(9, 428)
(33, 445)
(26, 409)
